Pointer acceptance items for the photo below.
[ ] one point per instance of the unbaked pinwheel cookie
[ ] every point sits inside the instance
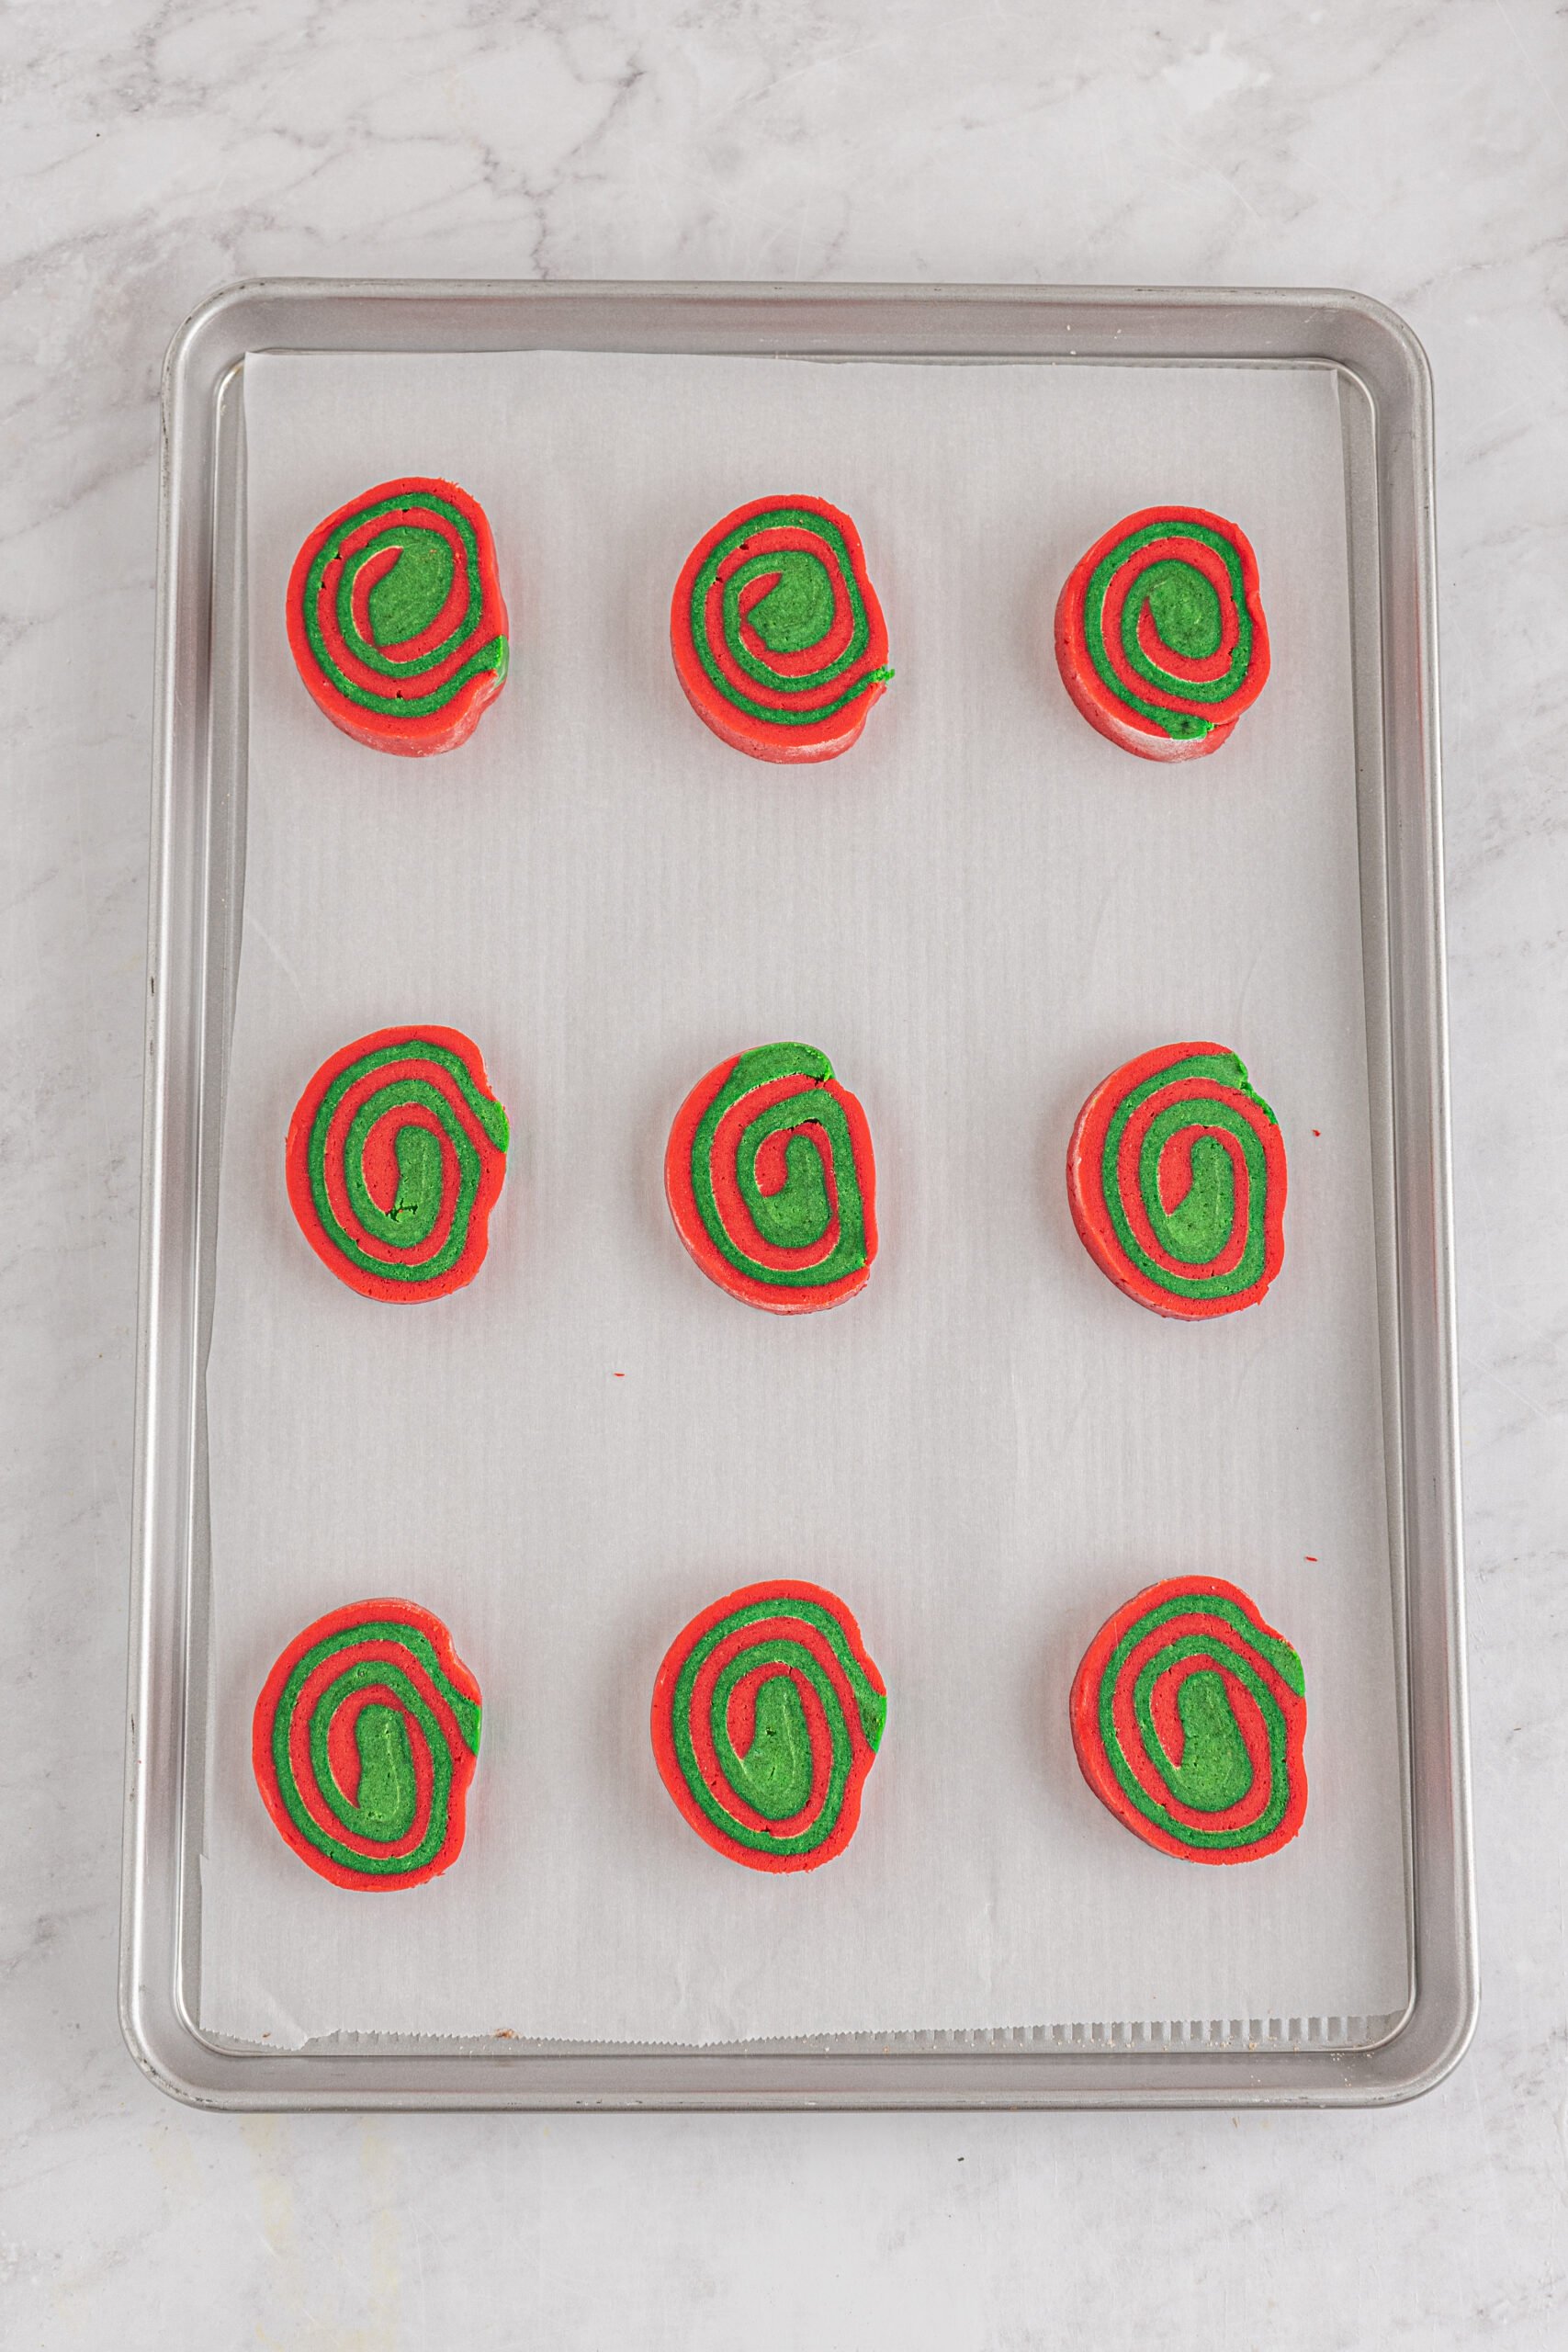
(1160, 635)
(1176, 1179)
(1187, 1716)
(394, 1160)
(767, 1717)
(779, 640)
(363, 1742)
(396, 617)
(771, 1180)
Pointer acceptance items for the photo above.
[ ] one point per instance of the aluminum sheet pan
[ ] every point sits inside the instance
(198, 886)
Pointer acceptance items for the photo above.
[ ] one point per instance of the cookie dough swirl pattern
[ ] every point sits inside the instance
(396, 617)
(395, 1156)
(364, 1744)
(778, 639)
(767, 1715)
(1160, 635)
(1176, 1178)
(771, 1180)
(1189, 1714)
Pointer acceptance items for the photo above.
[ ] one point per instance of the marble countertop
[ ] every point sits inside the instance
(1411, 150)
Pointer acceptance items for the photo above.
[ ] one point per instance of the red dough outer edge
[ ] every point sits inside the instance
(783, 1591)
(301, 1199)
(1086, 1197)
(464, 1760)
(783, 746)
(775, 1299)
(1083, 680)
(1083, 1709)
(435, 730)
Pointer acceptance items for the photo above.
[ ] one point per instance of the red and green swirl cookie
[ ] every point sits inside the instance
(1160, 635)
(395, 1156)
(778, 638)
(396, 617)
(1187, 1716)
(364, 1744)
(1175, 1178)
(771, 1180)
(767, 1717)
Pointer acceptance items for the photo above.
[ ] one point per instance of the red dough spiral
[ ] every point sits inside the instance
(396, 617)
(767, 1715)
(1176, 1179)
(772, 1183)
(1187, 1716)
(363, 1742)
(778, 639)
(395, 1157)
(1160, 635)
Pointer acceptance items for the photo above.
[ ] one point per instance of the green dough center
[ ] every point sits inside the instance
(774, 1774)
(797, 1215)
(1184, 609)
(408, 597)
(1198, 1227)
(1216, 1771)
(418, 1202)
(797, 611)
(385, 1804)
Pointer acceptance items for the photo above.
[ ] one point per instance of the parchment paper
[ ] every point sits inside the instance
(977, 913)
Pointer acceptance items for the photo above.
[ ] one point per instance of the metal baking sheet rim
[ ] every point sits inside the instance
(196, 874)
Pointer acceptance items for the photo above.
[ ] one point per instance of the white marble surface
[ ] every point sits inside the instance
(1412, 148)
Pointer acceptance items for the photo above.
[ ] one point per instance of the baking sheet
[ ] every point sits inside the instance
(976, 913)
